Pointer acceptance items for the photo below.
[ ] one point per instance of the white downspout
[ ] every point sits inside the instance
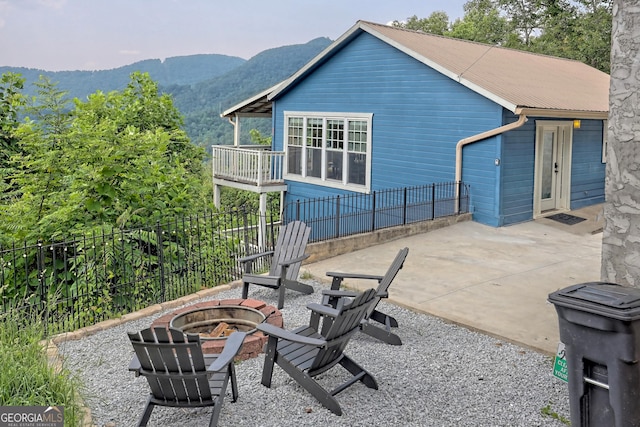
(475, 138)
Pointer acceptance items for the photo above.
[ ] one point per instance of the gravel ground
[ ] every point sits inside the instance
(442, 375)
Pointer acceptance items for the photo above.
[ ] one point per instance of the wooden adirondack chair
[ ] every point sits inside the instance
(305, 353)
(286, 260)
(177, 372)
(335, 297)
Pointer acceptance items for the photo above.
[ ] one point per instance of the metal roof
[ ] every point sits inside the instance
(520, 81)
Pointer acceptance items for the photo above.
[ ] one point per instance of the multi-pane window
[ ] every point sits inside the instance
(295, 132)
(357, 151)
(336, 148)
(314, 147)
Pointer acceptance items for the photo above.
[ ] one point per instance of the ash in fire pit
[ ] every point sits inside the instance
(219, 321)
(241, 314)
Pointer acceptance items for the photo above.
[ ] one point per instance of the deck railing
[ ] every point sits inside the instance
(248, 164)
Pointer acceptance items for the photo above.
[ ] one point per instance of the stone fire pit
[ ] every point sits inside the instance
(213, 320)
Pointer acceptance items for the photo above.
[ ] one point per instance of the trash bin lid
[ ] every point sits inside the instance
(606, 299)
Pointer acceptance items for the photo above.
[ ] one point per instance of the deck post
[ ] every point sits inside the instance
(216, 196)
(262, 226)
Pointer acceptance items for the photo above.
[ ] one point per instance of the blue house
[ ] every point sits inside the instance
(383, 107)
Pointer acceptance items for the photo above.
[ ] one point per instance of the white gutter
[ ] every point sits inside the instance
(475, 138)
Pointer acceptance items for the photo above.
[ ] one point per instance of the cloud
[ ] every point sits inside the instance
(129, 52)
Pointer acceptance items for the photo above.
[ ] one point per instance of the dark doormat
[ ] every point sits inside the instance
(566, 218)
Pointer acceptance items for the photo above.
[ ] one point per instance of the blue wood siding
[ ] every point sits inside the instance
(480, 172)
(587, 170)
(418, 117)
(518, 170)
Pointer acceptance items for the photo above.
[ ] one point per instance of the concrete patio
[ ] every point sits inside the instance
(493, 280)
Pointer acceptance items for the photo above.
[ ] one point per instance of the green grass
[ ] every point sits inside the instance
(306, 275)
(27, 378)
(551, 413)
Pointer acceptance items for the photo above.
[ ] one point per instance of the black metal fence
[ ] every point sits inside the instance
(340, 216)
(84, 280)
(87, 279)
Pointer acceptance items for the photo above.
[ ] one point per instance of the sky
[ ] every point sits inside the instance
(64, 35)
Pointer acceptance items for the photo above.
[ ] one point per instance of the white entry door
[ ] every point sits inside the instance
(553, 166)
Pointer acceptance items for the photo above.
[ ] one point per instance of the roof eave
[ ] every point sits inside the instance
(232, 111)
(562, 114)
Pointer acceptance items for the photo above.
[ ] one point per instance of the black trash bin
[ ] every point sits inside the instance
(600, 327)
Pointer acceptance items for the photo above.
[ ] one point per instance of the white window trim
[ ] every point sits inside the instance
(344, 185)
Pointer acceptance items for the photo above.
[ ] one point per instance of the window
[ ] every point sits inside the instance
(336, 148)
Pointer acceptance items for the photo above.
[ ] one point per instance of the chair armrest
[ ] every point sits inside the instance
(339, 277)
(354, 275)
(323, 310)
(134, 365)
(253, 257)
(271, 330)
(288, 262)
(230, 350)
(338, 293)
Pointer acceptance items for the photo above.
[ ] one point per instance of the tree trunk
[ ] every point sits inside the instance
(621, 236)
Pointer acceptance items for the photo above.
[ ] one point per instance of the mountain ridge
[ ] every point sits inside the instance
(201, 85)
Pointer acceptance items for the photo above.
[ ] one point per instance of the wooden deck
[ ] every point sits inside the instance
(248, 165)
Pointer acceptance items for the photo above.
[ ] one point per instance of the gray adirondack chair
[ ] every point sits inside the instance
(177, 372)
(286, 259)
(304, 353)
(381, 329)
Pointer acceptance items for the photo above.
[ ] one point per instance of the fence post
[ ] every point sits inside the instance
(433, 201)
(337, 217)
(373, 212)
(404, 204)
(160, 246)
(44, 306)
(245, 228)
(459, 198)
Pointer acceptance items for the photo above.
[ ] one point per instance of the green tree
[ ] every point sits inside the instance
(116, 159)
(11, 100)
(436, 23)
(576, 30)
(482, 23)
(525, 16)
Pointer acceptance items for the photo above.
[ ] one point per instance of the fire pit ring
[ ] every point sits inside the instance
(253, 342)
(205, 321)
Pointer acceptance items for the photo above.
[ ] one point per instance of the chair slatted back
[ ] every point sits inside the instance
(173, 364)
(345, 324)
(388, 278)
(291, 243)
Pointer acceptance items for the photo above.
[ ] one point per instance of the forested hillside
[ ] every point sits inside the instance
(201, 85)
(179, 70)
(202, 103)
